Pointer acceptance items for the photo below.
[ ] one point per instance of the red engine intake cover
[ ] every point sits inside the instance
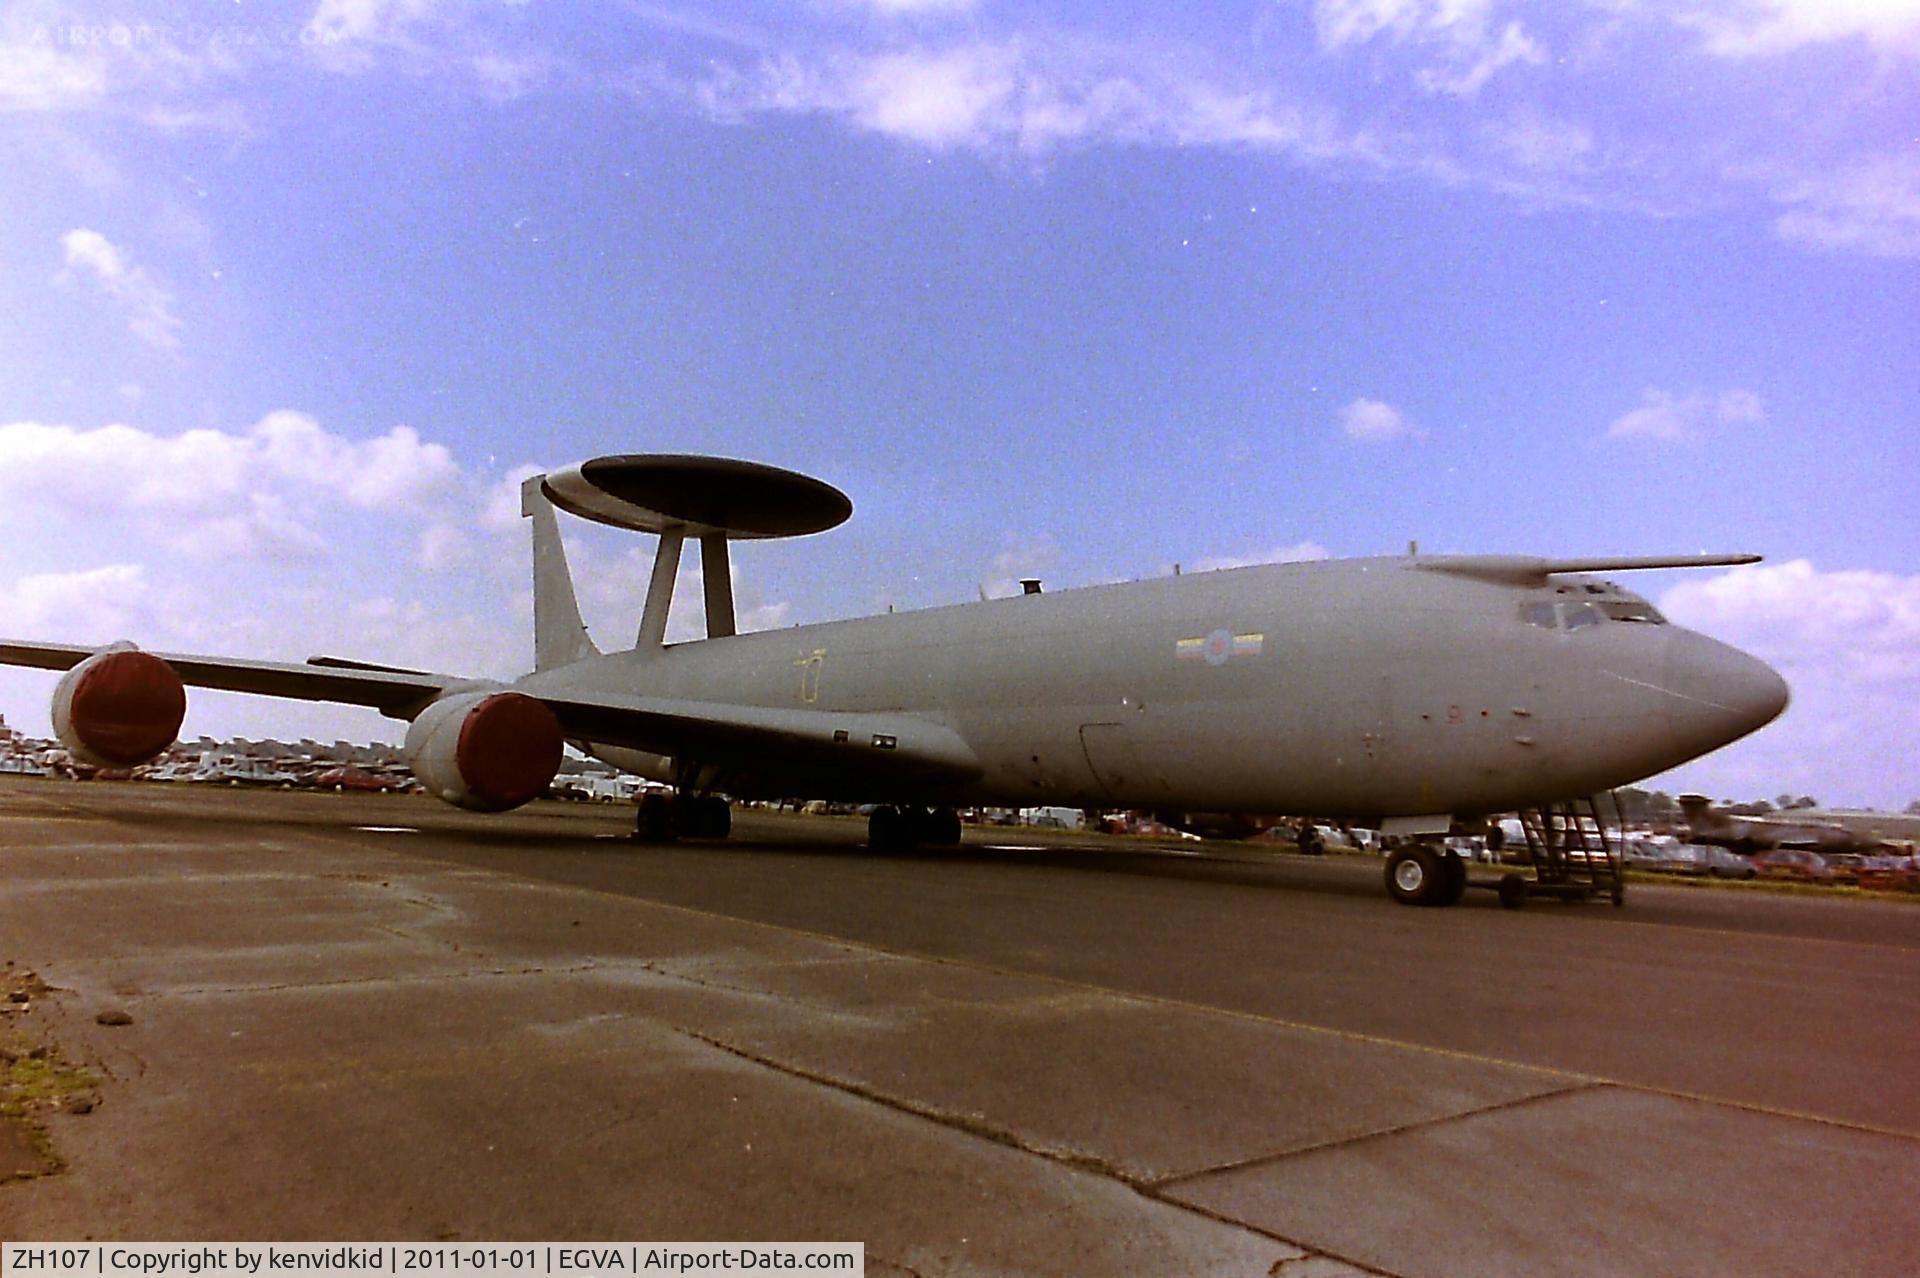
(127, 706)
(509, 749)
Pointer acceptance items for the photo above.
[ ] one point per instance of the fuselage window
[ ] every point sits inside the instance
(1579, 616)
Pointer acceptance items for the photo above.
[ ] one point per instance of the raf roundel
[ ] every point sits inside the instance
(1219, 647)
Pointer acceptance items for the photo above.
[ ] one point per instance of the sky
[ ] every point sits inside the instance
(293, 295)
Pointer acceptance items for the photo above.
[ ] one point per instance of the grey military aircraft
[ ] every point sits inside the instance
(1822, 830)
(1407, 693)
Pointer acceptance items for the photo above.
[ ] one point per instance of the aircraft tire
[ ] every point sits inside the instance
(889, 830)
(702, 817)
(937, 826)
(1513, 891)
(1415, 875)
(1453, 874)
(653, 821)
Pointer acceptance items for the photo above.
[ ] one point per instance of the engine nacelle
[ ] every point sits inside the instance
(486, 751)
(119, 707)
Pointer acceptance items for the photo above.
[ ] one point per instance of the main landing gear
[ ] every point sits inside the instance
(899, 829)
(1425, 873)
(663, 818)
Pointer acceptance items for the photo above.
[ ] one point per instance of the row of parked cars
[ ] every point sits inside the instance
(1877, 873)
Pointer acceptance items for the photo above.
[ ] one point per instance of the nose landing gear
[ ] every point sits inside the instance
(1425, 873)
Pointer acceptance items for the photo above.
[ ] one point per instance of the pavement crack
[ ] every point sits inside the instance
(971, 1124)
(429, 978)
(1347, 1142)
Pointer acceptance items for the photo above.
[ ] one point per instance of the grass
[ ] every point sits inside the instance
(34, 1080)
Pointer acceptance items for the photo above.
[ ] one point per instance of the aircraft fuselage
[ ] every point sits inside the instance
(1360, 689)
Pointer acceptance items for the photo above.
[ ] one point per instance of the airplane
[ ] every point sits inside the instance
(1827, 831)
(1410, 694)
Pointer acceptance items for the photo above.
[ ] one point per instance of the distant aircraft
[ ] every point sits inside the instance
(1404, 693)
(1842, 830)
(1886, 827)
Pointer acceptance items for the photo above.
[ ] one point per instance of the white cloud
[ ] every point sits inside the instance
(1871, 205)
(1848, 643)
(955, 96)
(36, 76)
(1029, 95)
(1465, 75)
(210, 494)
(1859, 624)
(1763, 28)
(94, 605)
(309, 529)
(1298, 552)
(1663, 415)
(1020, 557)
(149, 308)
(1470, 51)
(504, 77)
(1373, 422)
(915, 8)
(500, 509)
(394, 469)
(336, 21)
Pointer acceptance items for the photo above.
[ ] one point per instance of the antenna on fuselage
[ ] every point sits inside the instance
(713, 499)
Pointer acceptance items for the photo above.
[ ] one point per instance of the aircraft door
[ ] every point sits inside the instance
(1118, 766)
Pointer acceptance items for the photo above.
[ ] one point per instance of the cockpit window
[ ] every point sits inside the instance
(1633, 610)
(1568, 615)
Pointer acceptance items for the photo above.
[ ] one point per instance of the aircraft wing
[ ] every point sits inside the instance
(398, 693)
(892, 743)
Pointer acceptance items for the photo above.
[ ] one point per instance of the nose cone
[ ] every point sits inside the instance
(1721, 693)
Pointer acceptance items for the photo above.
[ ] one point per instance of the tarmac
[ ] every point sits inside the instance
(376, 1017)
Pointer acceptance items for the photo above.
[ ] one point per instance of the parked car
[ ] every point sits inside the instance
(1723, 863)
(348, 777)
(1890, 874)
(1846, 866)
(1793, 863)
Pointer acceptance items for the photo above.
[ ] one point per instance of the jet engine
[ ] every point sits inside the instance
(485, 751)
(119, 707)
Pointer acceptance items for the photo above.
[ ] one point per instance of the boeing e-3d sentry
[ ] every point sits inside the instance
(1409, 693)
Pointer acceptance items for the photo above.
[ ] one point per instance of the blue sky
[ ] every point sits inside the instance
(292, 295)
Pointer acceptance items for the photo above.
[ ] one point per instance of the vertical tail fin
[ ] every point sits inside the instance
(559, 635)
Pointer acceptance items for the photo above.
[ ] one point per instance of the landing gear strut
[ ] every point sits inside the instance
(898, 829)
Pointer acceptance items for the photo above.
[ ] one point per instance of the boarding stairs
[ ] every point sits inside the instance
(1572, 855)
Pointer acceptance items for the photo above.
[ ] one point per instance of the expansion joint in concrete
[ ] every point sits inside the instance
(977, 1126)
